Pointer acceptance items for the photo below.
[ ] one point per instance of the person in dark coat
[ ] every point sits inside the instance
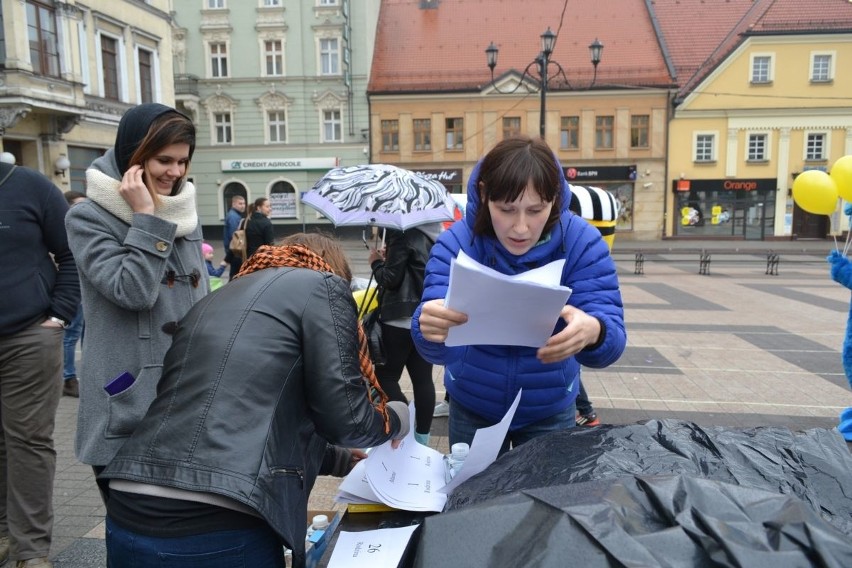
(258, 226)
(261, 378)
(399, 273)
(40, 296)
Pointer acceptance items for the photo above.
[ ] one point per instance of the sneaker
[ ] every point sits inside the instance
(35, 563)
(590, 419)
(441, 409)
(71, 387)
(4, 549)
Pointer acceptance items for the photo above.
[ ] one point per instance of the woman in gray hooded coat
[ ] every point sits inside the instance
(137, 244)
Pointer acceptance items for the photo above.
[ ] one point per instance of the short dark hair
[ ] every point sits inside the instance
(505, 173)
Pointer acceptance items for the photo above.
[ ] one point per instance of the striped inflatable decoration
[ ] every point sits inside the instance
(597, 206)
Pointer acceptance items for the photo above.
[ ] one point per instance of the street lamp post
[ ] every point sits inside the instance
(543, 62)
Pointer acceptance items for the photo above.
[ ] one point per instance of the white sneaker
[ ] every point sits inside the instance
(441, 409)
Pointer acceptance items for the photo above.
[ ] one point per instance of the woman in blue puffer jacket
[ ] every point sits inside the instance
(518, 219)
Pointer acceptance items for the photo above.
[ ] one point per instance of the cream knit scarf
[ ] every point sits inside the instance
(178, 209)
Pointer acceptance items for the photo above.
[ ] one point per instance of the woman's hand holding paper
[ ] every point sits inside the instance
(582, 330)
(436, 320)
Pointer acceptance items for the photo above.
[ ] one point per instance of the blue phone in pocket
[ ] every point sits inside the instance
(120, 384)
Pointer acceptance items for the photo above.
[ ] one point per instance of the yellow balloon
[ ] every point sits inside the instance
(815, 192)
(841, 173)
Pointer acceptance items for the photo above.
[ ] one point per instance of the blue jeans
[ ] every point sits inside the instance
(69, 345)
(245, 548)
(463, 424)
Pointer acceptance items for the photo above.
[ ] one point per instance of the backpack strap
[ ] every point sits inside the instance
(6, 171)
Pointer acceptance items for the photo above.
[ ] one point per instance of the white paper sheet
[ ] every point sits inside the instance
(412, 477)
(409, 476)
(484, 449)
(381, 548)
(504, 310)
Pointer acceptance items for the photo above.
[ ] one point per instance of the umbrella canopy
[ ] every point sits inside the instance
(379, 195)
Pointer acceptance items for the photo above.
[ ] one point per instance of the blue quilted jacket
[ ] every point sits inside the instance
(486, 378)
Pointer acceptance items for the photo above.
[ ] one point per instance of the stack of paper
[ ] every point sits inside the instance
(412, 476)
(521, 309)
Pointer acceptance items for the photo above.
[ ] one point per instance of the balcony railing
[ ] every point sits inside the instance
(186, 84)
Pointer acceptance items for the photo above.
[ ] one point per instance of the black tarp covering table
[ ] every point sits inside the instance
(660, 493)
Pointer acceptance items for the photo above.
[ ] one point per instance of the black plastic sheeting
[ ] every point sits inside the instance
(661, 493)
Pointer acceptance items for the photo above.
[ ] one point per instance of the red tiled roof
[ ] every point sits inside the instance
(443, 48)
(797, 15)
(700, 34)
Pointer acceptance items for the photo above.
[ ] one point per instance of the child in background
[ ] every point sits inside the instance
(214, 273)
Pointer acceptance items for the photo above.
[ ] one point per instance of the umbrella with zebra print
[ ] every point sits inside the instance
(379, 195)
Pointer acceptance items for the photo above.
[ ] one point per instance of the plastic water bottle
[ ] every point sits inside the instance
(455, 459)
(318, 525)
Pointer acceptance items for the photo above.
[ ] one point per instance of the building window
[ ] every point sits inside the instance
(223, 127)
(639, 126)
(761, 69)
(277, 126)
(109, 63)
(329, 56)
(215, 4)
(274, 53)
(146, 77)
(44, 45)
(821, 68)
(756, 148)
(218, 59)
(390, 136)
(331, 129)
(511, 126)
(455, 133)
(328, 2)
(815, 147)
(271, 3)
(422, 134)
(603, 132)
(705, 147)
(569, 133)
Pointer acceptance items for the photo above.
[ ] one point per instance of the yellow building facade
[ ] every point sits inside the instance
(778, 105)
(614, 139)
(70, 71)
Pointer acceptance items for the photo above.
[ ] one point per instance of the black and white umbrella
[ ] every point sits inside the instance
(379, 195)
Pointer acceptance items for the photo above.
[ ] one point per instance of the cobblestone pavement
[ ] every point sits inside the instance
(737, 348)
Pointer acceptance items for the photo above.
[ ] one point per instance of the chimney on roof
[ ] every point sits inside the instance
(428, 4)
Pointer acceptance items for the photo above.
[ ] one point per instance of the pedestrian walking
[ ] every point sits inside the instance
(232, 222)
(70, 383)
(137, 242)
(40, 297)
(258, 226)
(399, 272)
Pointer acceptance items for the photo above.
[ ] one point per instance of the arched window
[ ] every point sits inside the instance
(232, 189)
(282, 197)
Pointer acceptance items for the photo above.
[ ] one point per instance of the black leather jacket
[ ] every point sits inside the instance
(261, 373)
(401, 273)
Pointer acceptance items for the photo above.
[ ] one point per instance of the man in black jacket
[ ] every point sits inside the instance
(39, 298)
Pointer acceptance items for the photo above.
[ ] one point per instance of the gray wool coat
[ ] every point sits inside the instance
(126, 302)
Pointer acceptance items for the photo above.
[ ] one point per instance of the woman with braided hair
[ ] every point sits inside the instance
(261, 379)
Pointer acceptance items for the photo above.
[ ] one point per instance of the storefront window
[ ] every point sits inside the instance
(725, 211)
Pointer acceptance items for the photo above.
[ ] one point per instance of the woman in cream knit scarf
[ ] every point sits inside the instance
(137, 244)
